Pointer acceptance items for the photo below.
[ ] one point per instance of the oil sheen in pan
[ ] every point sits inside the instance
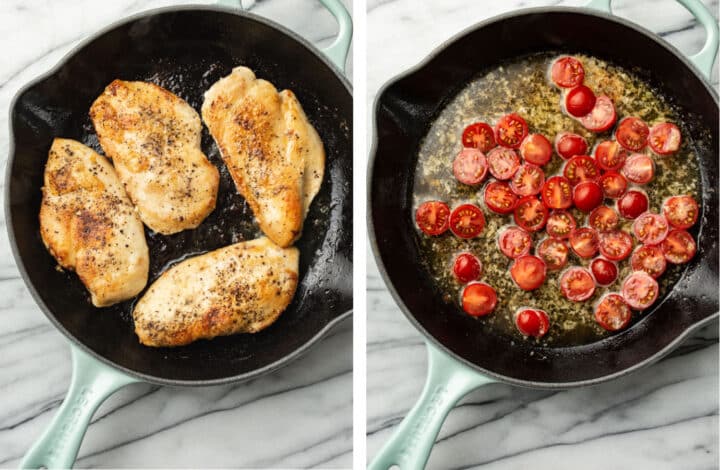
(522, 86)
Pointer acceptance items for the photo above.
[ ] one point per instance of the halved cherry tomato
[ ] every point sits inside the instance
(605, 272)
(584, 242)
(536, 149)
(614, 184)
(579, 101)
(503, 162)
(567, 145)
(499, 198)
(510, 131)
(665, 138)
(649, 258)
(603, 218)
(639, 168)
(557, 193)
(632, 204)
(681, 211)
(478, 299)
(528, 180)
(602, 117)
(433, 217)
(613, 313)
(678, 247)
(632, 133)
(640, 290)
(587, 195)
(581, 168)
(531, 214)
(514, 242)
(650, 228)
(470, 166)
(528, 272)
(615, 245)
(532, 322)
(480, 136)
(467, 221)
(577, 284)
(567, 72)
(467, 267)
(560, 224)
(609, 155)
(554, 253)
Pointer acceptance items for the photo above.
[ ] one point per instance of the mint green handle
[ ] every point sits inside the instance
(92, 382)
(447, 382)
(704, 59)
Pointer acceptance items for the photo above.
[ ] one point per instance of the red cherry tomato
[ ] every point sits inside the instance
(632, 133)
(650, 228)
(560, 224)
(467, 268)
(584, 242)
(531, 214)
(665, 138)
(478, 299)
(503, 162)
(613, 313)
(602, 117)
(536, 149)
(567, 145)
(580, 101)
(640, 290)
(567, 72)
(528, 272)
(557, 193)
(681, 211)
(528, 180)
(639, 168)
(605, 272)
(514, 242)
(603, 218)
(650, 259)
(610, 156)
(467, 221)
(532, 322)
(587, 195)
(470, 166)
(581, 168)
(499, 198)
(554, 253)
(480, 136)
(632, 204)
(614, 184)
(510, 131)
(615, 245)
(577, 284)
(678, 247)
(433, 217)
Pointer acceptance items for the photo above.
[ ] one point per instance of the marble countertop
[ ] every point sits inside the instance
(300, 416)
(663, 417)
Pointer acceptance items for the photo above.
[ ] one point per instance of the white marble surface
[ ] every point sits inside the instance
(300, 416)
(664, 417)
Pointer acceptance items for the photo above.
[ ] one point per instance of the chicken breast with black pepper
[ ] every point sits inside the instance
(274, 154)
(89, 225)
(153, 138)
(241, 288)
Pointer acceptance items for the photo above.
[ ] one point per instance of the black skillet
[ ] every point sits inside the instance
(462, 358)
(186, 50)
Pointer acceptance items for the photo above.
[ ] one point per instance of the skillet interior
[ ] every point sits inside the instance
(406, 108)
(186, 51)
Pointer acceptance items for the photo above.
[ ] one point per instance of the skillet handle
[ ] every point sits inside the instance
(92, 382)
(704, 59)
(447, 382)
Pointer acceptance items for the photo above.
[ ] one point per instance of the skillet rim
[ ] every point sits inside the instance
(77, 49)
(437, 51)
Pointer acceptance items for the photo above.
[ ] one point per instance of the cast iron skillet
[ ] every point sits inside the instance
(185, 50)
(462, 354)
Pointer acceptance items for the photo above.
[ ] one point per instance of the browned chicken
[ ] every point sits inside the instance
(241, 288)
(89, 225)
(272, 151)
(153, 138)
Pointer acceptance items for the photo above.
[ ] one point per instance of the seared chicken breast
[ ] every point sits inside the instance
(89, 225)
(274, 154)
(241, 288)
(153, 138)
